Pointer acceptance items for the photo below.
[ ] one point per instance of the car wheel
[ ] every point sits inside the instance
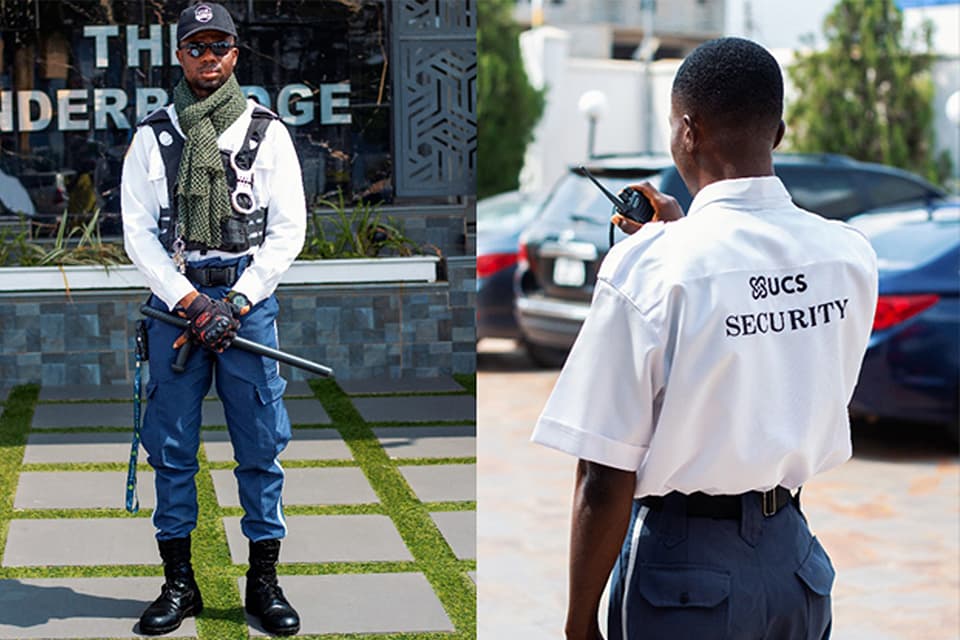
(546, 357)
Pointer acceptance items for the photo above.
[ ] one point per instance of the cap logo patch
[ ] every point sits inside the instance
(165, 138)
(203, 13)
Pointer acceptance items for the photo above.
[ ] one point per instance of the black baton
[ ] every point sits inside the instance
(245, 345)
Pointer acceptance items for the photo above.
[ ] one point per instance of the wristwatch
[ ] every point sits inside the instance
(237, 299)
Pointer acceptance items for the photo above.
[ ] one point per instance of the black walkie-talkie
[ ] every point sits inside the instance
(630, 203)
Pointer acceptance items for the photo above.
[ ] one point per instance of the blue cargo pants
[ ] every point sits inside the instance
(251, 390)
(756, 578)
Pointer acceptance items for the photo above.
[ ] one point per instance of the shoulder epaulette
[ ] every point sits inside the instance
(160, 115)
(263, 112)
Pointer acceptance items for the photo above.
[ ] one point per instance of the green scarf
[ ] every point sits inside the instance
(203, 200)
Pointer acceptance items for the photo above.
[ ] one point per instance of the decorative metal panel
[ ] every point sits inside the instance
(447, 17)
(435, 87)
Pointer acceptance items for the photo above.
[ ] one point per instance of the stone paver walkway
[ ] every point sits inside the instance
(381, 521)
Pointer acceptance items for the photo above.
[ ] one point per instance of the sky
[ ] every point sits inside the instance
(780, 24)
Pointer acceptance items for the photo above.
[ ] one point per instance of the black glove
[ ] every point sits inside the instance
(213, 323)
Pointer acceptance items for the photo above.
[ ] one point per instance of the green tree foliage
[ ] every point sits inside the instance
(508, 108)
(869, 93)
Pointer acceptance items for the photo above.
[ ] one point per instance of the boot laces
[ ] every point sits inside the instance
(174, 588)
(269, 587)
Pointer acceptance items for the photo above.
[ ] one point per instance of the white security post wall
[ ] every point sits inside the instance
(560, 139)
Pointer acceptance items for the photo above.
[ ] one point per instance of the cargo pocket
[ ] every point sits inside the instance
(817, 574)
(679, 602)
(271, 391)
(274, 433)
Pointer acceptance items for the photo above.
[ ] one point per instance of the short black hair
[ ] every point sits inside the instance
(731, 81)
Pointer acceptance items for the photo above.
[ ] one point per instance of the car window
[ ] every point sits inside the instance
(898, 251)
(884, 190)
(829, 191)
(575, 196)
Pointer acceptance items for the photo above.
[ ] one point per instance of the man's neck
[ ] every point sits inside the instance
(726, 169)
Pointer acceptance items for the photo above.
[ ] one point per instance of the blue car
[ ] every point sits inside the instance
(912, 365)
(500, 219)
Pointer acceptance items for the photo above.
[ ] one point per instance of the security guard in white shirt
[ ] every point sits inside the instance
(710, 381)
(213, 215)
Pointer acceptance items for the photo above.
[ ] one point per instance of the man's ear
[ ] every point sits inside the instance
(781, 129)
(690, 136)
(179, 53)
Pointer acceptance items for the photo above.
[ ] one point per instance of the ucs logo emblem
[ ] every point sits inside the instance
(763, 286)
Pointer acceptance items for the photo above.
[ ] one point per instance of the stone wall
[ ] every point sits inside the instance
(362, 331)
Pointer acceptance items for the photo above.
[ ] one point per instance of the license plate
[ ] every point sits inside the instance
(568, 272)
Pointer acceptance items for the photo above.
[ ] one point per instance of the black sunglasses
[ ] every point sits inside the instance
(197, 49)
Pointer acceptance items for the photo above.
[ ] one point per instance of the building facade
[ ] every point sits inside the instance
(378, 95)
(624, 29)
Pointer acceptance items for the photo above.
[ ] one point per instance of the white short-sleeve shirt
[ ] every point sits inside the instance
(277, 185)
(721, 350)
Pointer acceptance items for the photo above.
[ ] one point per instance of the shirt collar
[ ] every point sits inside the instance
(746, 193)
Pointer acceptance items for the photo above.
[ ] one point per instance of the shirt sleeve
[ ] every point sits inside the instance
(602, 406)
(140, 211)
(286, 220)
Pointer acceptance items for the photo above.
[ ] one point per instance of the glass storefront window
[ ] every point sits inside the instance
(76, 77)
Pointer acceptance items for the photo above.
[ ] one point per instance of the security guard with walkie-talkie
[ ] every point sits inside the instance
(213, 215)
(710, 380)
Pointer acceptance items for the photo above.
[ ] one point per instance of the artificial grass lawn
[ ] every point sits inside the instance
(223, 617)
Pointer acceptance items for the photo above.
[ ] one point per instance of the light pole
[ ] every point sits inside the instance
(592, 104)
(646, 51)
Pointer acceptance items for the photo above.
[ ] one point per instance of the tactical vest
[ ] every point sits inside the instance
(246, 226)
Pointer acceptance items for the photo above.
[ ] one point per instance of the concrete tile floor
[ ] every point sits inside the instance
(108, 606)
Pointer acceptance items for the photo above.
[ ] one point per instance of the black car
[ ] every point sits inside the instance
(561, 250)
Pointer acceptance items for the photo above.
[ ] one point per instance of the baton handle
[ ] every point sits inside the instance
(246, 345)
(180, 364)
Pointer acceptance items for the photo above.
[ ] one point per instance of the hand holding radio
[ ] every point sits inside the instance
(636, 205)
(664, 208)
(629, 203)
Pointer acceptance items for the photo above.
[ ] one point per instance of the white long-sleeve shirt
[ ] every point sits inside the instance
(277, 186)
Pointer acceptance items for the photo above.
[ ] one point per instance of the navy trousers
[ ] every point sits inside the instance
(755, 578)
(251, 390)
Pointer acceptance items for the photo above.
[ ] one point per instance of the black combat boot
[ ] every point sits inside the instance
(264, 597)
(179, 595)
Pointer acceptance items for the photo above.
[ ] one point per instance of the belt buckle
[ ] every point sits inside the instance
(768, 501)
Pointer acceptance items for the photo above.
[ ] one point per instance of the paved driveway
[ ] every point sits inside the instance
(890, 519)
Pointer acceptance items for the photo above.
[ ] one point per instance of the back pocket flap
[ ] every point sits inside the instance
(816, 571)
(680, 586)
(271, 391)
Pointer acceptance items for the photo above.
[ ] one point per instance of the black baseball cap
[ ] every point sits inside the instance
(205, 16)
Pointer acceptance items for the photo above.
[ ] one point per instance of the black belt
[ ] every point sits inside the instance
(212, 276)
(702, 505)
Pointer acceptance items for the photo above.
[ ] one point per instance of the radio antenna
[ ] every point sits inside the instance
(617, 202)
